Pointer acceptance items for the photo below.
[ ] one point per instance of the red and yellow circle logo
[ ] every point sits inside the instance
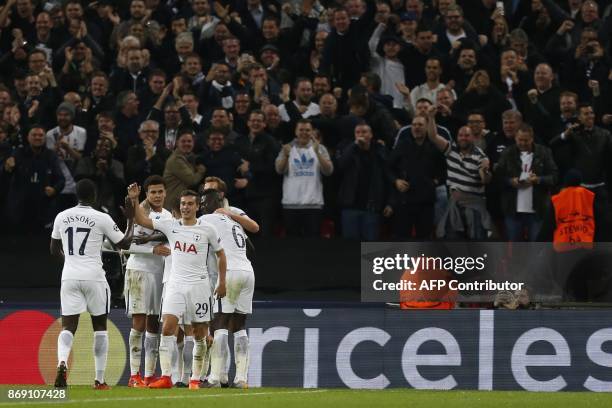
(28, 350)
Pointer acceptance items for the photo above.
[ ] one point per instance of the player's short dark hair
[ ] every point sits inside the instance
(212, 192)
(86, 190)
(584, 105)
(154, 180)
(188, 193)
(213, 196)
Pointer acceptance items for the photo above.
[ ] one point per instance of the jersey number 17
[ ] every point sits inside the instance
(70, 233)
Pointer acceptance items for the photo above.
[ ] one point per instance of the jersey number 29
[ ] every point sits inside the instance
(69, 232)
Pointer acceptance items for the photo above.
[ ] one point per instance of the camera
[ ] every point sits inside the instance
(589, 49)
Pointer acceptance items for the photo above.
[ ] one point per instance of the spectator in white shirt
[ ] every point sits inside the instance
(302, 162)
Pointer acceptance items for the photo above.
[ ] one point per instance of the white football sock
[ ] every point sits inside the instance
(241, 355)
(166, 345)
(135, 342)
(180, 362)
(100, 346)
(64, 345)
(187, 359)
(198, 358)
(218, 355)
(206, 363)
(175, 360)
(151, 345)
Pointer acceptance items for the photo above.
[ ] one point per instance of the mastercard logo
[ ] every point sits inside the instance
(28, 350)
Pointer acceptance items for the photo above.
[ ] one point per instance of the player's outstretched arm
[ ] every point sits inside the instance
(56, 248)
(129, 231)
(222, 264)
(140, 217)
(155, 237)
(245, 222)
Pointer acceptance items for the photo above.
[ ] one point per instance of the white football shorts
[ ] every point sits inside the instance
(240, 286)
(78, 296)
(143, 292)
(192, 301)
(161, 318)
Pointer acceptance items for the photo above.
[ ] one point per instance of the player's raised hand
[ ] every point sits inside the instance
(133, 191)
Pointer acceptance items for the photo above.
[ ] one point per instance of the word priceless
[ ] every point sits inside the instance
(428, 263)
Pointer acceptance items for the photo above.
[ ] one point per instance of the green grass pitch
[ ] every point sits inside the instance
(123, 397)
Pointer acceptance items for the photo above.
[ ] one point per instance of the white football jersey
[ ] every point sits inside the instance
(167, 266)
(233, 240)
(142, 258)
(190, 245)
(82, 230)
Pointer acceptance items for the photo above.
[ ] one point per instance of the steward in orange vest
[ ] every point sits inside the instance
(571, 220)
(574, 217)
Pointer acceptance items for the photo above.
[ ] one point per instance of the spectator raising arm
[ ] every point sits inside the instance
(441, 143)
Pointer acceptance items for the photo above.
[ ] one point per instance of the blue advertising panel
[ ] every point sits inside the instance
(359, 347)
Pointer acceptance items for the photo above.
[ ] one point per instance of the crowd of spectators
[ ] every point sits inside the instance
(402, 119)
